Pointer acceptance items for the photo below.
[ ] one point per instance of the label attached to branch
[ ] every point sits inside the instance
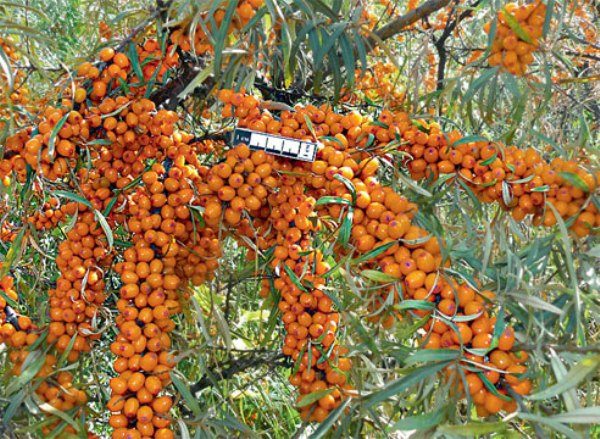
(287, 147)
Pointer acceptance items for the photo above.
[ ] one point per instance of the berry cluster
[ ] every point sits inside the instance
(489, 364)
(520, 180)
(517, 36)
(200, 43)
(21, 336)
(382, 229)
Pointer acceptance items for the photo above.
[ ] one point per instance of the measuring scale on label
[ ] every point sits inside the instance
(276, 145)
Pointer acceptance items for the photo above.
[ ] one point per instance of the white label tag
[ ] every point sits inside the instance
(276, 145)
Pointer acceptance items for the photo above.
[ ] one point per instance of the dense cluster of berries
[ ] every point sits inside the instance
(15, 95)
(378, 84)
(118, 133)
(200, 43)
(520, 180)
(263, 198)
(79, 290)
(381, 229)
(51, 213)
(21, 335)
(488, 361)
(517, 36)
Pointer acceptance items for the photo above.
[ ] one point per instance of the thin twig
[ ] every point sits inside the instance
(237, 365)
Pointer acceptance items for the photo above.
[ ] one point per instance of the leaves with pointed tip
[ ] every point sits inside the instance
(472, 429)
(312, 397)
(575, 375)
(330, 420)
(184, 390)
(328, 199)
(432, 355)
(574, 180)
(106, 228)
(415, 376)
(420, 422)
(372, 254)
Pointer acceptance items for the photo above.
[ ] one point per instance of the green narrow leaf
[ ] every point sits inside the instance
(135, 63)
(372, 254)
(13, 252)
(513, 23)
(73, 197)
(54, 135)
(378, 276)
(220, 37)
(587, 415)
(421, 422)
(63, 357)
(62, 415)
(490, 160)
(106, 228)
(488, 384)
(32, 365)
(328, 199)
(346, 228)
(198, 80)
(570, 396)
(294, 278)
(300, 38)
(5, 66)
(310, 398)
(575, 375)
(548, 19)
(99, 142)
(110, 205)
(309, 125)
(349, 185)
(395, 387)
(479, 83)
(326, 425)
(473, 429)
(184, 390)
(414, 304)
(569, 433)
(432, 355)
(469, 139)
(361, 49)
(575, 180)
(349, 60)
(337, 30)
(15, 402)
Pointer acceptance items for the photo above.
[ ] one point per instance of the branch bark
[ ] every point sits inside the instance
(167, 96)
(396, 26)
(440, 43)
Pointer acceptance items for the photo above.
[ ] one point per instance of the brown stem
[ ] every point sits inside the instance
(396, 26)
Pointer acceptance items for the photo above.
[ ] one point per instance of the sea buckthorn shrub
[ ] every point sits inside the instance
(131, 204)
